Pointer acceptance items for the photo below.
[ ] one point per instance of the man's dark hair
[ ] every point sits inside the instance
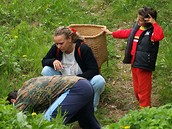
(12, 95)
(147, 10)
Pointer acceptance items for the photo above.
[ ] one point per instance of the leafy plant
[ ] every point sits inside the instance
(146, 118)
(11, 118)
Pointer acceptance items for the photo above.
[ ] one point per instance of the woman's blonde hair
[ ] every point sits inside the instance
(67, 32)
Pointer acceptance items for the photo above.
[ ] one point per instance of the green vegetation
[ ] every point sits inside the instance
(11, 118)
(147, 118)
(26, 30)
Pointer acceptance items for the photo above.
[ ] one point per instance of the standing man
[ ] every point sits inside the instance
(141, 52)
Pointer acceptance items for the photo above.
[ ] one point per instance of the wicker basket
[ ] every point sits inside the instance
(94, 38)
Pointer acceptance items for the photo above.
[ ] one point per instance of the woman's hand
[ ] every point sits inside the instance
(57, 65)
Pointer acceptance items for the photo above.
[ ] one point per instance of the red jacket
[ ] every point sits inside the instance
(139, 43)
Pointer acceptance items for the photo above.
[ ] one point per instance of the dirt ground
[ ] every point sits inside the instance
(123, 99)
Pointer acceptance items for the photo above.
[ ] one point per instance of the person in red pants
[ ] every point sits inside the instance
(141, 51)
(72, 94)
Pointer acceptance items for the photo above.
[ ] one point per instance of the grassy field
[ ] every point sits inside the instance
(26, 34)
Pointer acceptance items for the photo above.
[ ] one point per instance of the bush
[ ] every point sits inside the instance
(147, 118)
(11, 118)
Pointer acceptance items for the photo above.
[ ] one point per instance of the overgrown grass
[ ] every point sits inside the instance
(26, 29)
(147, 118)
(11, 118)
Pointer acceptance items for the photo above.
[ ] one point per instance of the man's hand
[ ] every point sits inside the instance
(106, 31)
(150, 19)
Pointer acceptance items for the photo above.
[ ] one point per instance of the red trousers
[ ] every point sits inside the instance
(142, 83)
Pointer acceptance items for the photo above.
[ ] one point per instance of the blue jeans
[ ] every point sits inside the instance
(98, 83)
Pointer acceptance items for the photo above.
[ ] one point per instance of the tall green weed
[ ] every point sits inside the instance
(11, 118)
(147, 118)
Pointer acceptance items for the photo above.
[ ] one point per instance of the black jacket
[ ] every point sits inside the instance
(146, 52)
(86, 61)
